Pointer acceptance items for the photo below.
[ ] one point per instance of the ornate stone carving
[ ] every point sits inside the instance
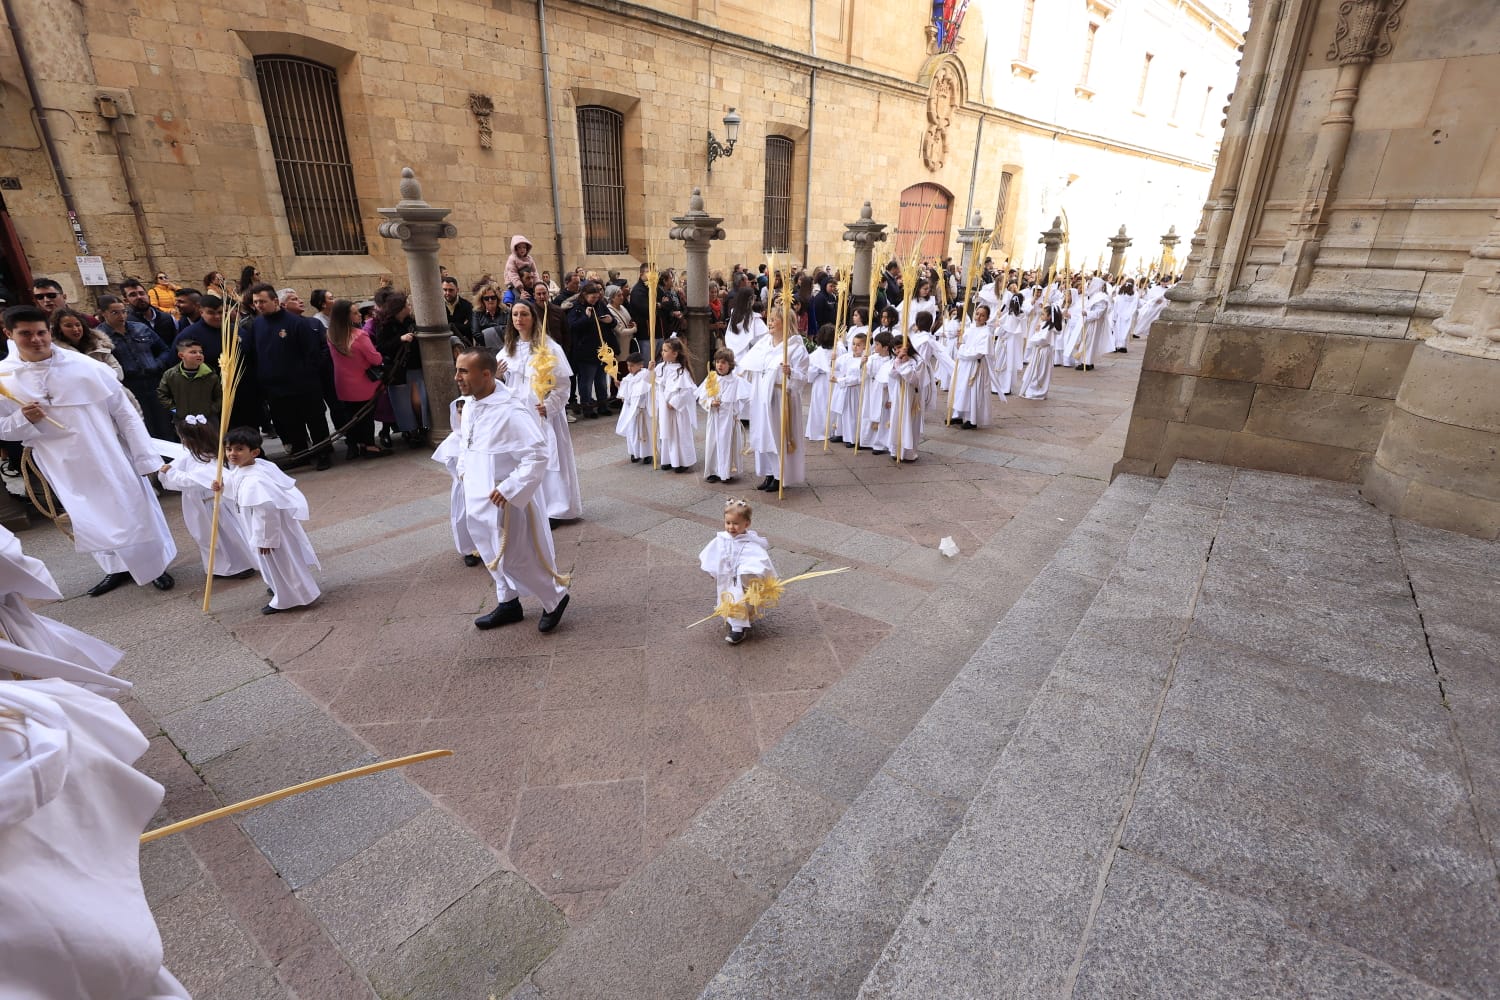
(944, 96)
(1364, 30)
(482, 107)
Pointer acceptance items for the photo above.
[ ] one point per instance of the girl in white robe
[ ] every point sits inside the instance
(859, 322)
(736, 556)
(676, 412)
(820, 375)
(634, 424)
(877, 411)
(1038, 378)
(272, 510)
(771, 380)
(947, 345)
(447, 455)
(971, 378)
(907, 376)
(1122, 313)
(1010, 335)
(923, 300)
(744, 326)
(192, 474)
(723, 398)
(850, 377)
(561, 495)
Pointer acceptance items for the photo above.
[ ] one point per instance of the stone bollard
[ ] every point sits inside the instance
(864, 233)
(1052, 240)
(697, 230)
(1117, 245)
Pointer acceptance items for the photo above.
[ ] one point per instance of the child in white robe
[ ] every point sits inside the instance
(877, 415)
(1093, 337)
(676, 414)
(859, 322)
(634, 424)
(273, 510)
(446, 455)
(769, 380)
(518, 360)
(736, 556)
(192, 474)
(1038, 378)
(850, 375)
(907, 377)
(1010, 336)
(971, 379)
(820, 376)
(1122, 313)
(723, 396)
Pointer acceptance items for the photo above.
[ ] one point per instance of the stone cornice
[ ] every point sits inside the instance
(719, 36)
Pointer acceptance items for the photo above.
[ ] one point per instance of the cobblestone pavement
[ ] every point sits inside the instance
(580, 756)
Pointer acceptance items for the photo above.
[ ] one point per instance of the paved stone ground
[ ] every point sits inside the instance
(599, 770)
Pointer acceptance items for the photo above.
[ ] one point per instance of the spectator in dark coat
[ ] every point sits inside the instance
(589, 322)
(287, 356)
(460, 312)
(206, 329)
(142, 311)
(825, 304)
(144, 357)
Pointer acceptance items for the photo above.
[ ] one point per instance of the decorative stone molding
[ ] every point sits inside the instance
(1472, 324)
(1022, 69)
(1364, 30)
(482, 107)
(945, 95)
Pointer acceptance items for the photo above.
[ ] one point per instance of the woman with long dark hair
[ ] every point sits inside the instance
(357, 367)
(394, 329)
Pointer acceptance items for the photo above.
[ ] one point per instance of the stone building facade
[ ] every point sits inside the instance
(1340, 316)
(179, 131)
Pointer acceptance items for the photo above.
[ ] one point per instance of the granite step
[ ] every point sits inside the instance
(825, 929)
(1241, 778)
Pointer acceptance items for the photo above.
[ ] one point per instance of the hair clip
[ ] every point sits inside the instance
(736, 504)
(194, 419)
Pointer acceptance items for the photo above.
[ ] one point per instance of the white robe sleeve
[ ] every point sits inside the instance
(132, 431)
(263, 525)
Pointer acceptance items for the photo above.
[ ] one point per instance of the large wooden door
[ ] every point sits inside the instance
(925, 212)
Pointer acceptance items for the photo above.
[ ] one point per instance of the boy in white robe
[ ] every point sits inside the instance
(502, 462)
(92, 447)
(634, 423)
(446, 454)
(723, 396)
(971, 378)
(736, 556)
(850, 373)
(272, 509)
(192, 475)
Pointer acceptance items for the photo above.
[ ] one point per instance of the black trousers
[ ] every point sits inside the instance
(299, 421)
(158, 421)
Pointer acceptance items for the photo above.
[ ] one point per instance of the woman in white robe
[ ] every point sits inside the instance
(771, 381)
(971, 378)
(676, 412)
(561, 495)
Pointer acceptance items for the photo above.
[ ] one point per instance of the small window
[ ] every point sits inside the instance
(777, 230)
(1140, 94)
(1088, 54)
(301, 101)
(1028, 15)
(1177, 98)
(1002, 202)
(600, 137)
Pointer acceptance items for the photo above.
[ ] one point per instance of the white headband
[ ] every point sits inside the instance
(194, 418)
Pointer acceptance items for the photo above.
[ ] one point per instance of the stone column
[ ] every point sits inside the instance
(419, 226)
(1438, 461)
(864, 233)
(697, 230)
(1117, 244)
(969, 237)
(1169, 242)
(1052, 239)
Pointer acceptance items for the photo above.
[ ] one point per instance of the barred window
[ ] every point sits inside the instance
(301, 101)
(601, 134)
(1002, 202)
(777, 230)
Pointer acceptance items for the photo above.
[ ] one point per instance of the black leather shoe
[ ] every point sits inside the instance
(712, 479)
(765, 483)
(164, 582)
(268, 610)
(471, 560)
(735, 636)
(505, 614)
(245, 574)
(682, 468)
(549, 620)
(107, 584)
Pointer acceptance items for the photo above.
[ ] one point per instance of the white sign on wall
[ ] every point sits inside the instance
(91, 270)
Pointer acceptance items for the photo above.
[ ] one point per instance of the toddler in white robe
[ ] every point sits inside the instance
(273, 510)
(446, 454)
(736, 556)
(192, 474)
(723, 396)
(634, 424)
(676, 414)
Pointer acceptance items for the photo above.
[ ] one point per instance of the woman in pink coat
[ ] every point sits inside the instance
(356, 378)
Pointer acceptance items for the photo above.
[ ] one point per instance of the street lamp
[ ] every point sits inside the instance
(731, 132)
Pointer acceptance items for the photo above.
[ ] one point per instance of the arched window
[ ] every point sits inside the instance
(301, 101)
(776, 233)
(600, 137)
(923, 220)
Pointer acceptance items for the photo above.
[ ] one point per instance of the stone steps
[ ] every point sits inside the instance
(828, 926)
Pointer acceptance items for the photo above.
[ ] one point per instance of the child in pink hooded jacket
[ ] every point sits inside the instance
(520, 256)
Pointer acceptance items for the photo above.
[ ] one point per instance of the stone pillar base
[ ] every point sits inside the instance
(1438, 462)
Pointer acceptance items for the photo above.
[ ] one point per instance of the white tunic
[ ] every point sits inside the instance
(446, 454)
(634, 423)
(74, 923)
(850, 372)
(763, 366)
(194, 480)
(504, 447)
(273, 509)
(876, 433)
(971, 382)
(1121, 319)
(723, 439)
(732, 560)
(819, 374)
(561, 495)
(741, 339)
(676, 416)
(96, 465)
(907, 379)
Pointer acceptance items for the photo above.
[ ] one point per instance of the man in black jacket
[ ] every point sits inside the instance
(460, 312)
(143, 356)
(287, 355)
(142, 311)
(639, 308)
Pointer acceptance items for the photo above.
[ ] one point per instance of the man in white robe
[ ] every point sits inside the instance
(502, 461)
(95, 461)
